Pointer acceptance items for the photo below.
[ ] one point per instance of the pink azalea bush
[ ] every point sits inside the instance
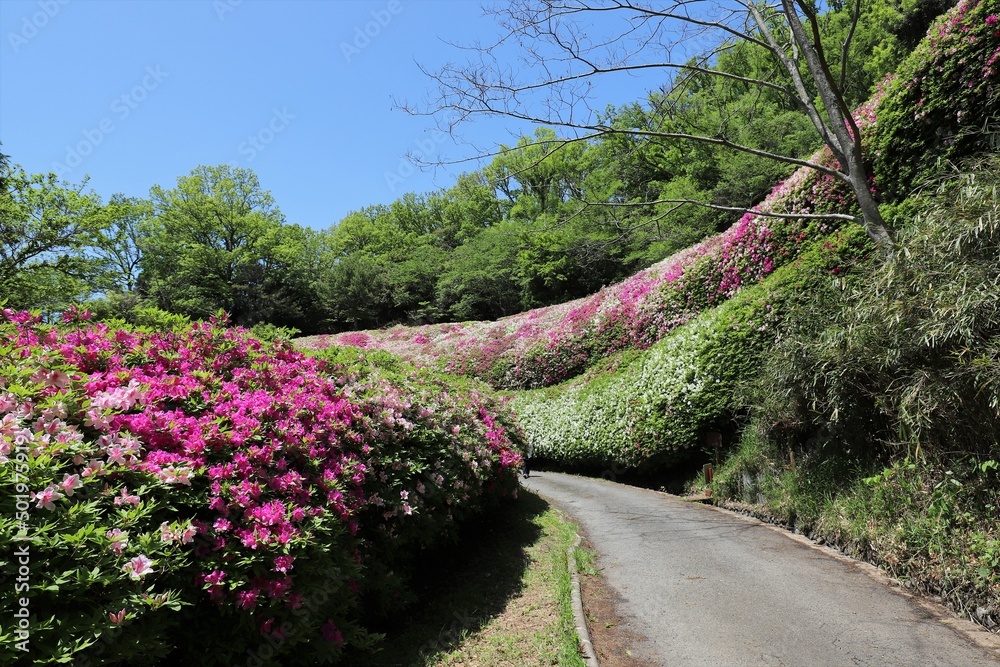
(200, 488)
(943, 105)
(652, 410)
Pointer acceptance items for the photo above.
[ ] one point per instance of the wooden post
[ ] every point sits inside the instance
(714, 440)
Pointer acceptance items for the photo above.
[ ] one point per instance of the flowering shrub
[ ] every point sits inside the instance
(945, 103)
(703, 329)
(548, 345)
(175, 491)
(654, 410)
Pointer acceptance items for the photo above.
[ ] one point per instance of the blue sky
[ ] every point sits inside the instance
(135, 93)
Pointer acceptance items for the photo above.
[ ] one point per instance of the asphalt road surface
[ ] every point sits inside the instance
(709, 588)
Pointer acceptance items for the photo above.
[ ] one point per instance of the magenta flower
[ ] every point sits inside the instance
(215, 577)
(332, 634)
(247, 599)
(283, 563)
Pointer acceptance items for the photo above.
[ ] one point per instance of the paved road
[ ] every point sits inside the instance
(708, 588)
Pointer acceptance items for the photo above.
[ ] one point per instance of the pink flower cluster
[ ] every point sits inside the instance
(263, 450)
(948, 47)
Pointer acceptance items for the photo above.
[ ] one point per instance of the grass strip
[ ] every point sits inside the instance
(499, 598)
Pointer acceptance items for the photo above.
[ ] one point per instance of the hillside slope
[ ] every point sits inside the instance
(549, 345)
(857, 393)
(935, 109)
(652, 411)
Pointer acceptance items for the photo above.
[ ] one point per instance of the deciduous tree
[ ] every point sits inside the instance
(214, 244)
(45, 224)
(564, 45)
(119, 241)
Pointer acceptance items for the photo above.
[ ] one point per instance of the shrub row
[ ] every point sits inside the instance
(654, 410)
(944, 103)
(201, 495)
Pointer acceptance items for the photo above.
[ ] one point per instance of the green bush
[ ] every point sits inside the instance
(944, 103)
(907, 352)
(653, 410)
(931, 523)
(199, 496)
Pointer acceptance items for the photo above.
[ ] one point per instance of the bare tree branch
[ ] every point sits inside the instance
(845, 48)
(739, 209)
(560, 60)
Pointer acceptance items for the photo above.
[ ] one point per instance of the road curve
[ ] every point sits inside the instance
(709, 588)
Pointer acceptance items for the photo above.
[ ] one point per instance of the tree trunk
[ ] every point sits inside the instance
(847, 147)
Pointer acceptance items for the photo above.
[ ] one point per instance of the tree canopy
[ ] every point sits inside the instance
(733, 73)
